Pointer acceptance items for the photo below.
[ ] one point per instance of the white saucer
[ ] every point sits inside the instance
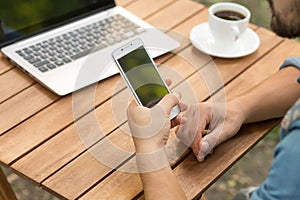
(202, 39)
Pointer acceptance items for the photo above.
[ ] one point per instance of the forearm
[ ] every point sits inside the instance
(150, 130)
(270, 99)
(158, 179)
(162, 184)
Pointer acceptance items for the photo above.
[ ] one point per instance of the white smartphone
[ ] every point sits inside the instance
(141, 75)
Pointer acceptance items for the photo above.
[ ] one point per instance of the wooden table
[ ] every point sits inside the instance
(39, 139)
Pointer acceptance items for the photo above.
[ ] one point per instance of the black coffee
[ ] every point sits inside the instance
(230, 15)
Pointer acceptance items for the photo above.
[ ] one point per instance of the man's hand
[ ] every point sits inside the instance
(223, 121)
(150, 127)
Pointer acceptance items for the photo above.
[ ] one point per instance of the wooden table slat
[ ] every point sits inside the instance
(268, 42)
(117, 186)
(124, 2)
(167, 21)
(20, 107)
(153, 6)
(58, 115)
(72, 145)
(264, 67)
(13, 88)
(198, 18)
(93, 169)
(69, 189)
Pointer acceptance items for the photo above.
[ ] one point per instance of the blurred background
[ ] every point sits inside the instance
(249, 171)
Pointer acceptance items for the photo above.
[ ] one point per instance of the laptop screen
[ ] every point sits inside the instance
(20, 19)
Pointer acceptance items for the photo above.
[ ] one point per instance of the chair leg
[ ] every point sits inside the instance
(6, 192)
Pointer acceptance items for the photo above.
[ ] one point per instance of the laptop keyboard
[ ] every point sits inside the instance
(60, 50)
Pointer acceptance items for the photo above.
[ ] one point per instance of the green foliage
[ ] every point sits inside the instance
(32, 12)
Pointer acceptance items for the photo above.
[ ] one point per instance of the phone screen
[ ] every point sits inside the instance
(143, 76)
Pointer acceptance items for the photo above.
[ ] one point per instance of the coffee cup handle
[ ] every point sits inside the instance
(236, 32)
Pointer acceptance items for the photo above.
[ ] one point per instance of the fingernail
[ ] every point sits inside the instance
(203, 151)
(205, 146)
(200, 156)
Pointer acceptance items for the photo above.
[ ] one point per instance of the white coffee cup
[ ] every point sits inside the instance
(227, 32)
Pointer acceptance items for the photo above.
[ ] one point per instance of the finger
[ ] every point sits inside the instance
(207, 144)
(178, 120)
(169, 101)
(183, 134)
(136, 113)
(195, 145)
(183, 107)
(168, 81)
(132, 105)
(200, 133)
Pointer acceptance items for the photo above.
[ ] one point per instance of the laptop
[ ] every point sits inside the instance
(67, 45)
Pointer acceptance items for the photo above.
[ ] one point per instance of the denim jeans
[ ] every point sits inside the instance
(283, 180)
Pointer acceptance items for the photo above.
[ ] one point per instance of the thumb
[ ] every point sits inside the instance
(207, 144)
(169, 101)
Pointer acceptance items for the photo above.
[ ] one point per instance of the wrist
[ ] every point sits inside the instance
(146, 145)
(152, 161)
(238, 110)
